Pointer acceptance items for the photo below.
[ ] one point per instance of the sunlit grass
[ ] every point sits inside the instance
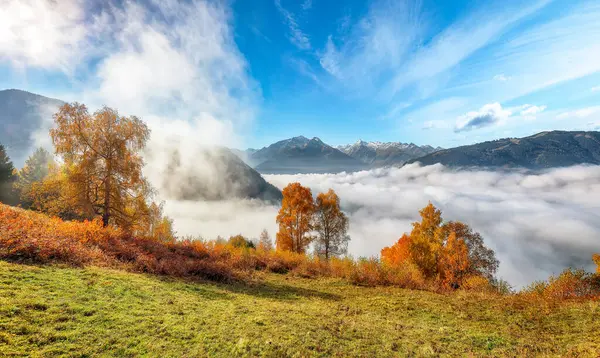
(55, 311)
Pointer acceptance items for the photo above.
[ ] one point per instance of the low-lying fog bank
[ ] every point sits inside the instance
(538, 223)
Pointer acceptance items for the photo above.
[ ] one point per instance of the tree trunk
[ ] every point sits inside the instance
(107, 188)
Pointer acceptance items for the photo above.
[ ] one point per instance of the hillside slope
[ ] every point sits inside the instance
(214, 174)
(542, 150)
(21, 115)
(51, 311)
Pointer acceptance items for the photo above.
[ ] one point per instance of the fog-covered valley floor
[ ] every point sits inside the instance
(538, 223)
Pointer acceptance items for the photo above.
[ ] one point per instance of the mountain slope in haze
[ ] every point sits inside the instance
(378, 154)
(543, 150)
(218, 173)
(23, 116)
(303, 155)
(214, 174)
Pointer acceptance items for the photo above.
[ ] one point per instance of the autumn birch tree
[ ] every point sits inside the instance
(331, 225)
(264, 242)
(101, 153)
(295, 219)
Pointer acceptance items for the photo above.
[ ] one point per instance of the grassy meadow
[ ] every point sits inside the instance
(48, 311)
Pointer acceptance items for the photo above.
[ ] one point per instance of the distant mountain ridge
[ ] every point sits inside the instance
(216, 174)
(378, 154)
(548, 149)
(22, 115)
(302, 155)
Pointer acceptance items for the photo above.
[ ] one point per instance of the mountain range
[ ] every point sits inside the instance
(379, 154)
(302, 155)
(24, 116)
(543, 150)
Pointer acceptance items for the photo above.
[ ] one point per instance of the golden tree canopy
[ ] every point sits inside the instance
(101, 152)
(331, 225)
(295, 219)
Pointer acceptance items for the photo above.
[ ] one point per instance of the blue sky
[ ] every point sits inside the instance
(429, 72)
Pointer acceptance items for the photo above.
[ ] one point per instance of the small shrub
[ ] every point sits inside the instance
(477, 284)
(570, 284)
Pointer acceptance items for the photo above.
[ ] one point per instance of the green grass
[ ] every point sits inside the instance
(61, 311)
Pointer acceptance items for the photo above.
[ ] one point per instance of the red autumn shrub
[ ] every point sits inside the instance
(26, 236)
(570, 284)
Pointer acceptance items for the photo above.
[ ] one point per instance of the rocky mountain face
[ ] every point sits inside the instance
(378, 154)
(303, 155)
(25, 119)
(543, 150)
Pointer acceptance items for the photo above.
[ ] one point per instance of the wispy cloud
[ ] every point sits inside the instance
(388, 51)
(501, 78)
(540, 55)
(306, 70)
(459, 41)
(307, 5)
(296, 36)
(435, 124)
(259, 33)
(580, 113)
(366, 53)
(531, 110)
(595, 89)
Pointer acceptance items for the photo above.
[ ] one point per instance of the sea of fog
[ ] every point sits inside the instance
(538, 223)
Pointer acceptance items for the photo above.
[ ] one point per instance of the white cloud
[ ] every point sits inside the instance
(296, 36)
(43, 34)
(488, 115)
(501, 78)
(579, 113)
(595, 89)
(531, 110)
(330, 59)
(538, 223)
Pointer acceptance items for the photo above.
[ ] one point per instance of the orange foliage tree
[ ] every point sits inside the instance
(453, 262)
(596, 259)
(482, 260)
(398, 253)
(101, 152)
(425, 245)
(448, 251)
(331, 224)
(295, 219)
